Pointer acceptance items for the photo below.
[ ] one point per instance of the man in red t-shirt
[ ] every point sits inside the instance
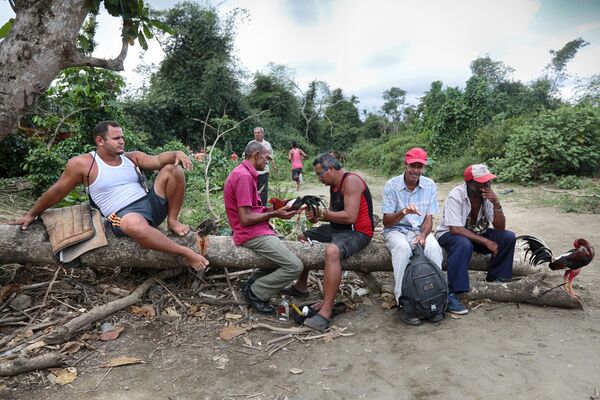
(350, 229)
(249, 221)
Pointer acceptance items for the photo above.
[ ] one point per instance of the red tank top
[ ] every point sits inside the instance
(364, 220)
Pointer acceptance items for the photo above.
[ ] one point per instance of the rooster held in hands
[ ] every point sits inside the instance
(573, 260)
(308, 201)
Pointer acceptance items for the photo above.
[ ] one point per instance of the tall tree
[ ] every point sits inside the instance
(557, 69)
(314, 106)
(42, 40)
(197, 77)
(493, 72)
(342, 122)
(274, 91)
(393, 106)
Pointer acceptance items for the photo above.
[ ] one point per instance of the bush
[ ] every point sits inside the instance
(445, 170)
(490, 140)
(43, 167)
(569, 182)
(13, 151)
(565, 141)
(386, 154)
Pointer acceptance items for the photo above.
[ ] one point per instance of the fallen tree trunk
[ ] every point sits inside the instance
(532, 289)
(21, 365)
(65, 332)
(32, 247)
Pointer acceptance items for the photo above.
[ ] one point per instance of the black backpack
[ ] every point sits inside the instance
(424, 287)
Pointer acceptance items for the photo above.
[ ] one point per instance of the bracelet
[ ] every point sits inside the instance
(498, 209)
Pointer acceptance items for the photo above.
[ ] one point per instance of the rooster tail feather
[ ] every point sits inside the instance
(535, 250)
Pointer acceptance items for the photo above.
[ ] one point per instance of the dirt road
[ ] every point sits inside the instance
(497, 351)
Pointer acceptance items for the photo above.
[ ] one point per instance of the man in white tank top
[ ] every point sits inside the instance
(109, 173)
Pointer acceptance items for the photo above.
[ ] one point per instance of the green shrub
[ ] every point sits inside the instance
(565, 141)
(386, 154)
(445, 170)
(569, 182)
(490, 140)
(43, 167)
(12, 152)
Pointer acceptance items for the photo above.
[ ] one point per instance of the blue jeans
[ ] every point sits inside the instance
(460, 249)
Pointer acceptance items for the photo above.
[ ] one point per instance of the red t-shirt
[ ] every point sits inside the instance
(241, 191)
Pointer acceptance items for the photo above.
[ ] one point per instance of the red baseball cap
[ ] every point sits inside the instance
(416, 155)
(478, 173)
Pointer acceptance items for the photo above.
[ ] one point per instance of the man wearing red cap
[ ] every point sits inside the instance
(465, 227)
(409, 201)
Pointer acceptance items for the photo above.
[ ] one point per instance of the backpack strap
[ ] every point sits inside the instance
(87, 188)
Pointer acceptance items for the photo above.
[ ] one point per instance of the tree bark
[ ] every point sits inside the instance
(66, 331)
(532, 289)
(41, 42)
(32, 247)
(21, 365)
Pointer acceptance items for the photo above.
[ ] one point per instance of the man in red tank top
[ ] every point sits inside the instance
(350, 229)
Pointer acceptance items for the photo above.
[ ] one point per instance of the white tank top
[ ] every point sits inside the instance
(115, 187)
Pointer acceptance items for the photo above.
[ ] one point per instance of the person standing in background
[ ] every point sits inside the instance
(263, 176)
(296, 155)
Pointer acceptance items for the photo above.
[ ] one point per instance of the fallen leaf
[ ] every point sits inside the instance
(64, 375)
(221, 361)
(111, 335)
(89, 336)
(198, 310)
(147, 310)
(233, 316)
(117, 362)
(296, 371)
(328, 338)
(171, 312)
(71, 347)
(386, 306)
(232, 331)
(36, 345)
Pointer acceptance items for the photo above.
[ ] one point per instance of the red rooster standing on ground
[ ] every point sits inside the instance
(573, 260)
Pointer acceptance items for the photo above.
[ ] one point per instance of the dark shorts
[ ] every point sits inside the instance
(349, 242)
(152, 207)
(296, 172)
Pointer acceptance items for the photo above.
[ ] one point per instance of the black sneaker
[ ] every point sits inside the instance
(410, 320)
(259, 305)
(436, 319)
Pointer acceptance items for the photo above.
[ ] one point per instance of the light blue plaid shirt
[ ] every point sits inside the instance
(396, 196)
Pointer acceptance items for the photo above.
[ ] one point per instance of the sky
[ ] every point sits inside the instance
(366, 47)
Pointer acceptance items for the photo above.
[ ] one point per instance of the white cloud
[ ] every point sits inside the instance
(365, 47)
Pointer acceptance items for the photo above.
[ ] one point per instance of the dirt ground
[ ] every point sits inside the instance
(497, 351)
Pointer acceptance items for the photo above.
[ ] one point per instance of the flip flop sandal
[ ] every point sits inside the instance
(318, 323)
(338, 308)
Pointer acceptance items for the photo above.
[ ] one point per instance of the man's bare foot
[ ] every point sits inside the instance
(196, 261)
(178, 228)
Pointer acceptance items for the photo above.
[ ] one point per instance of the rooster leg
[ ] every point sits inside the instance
(568, 278)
